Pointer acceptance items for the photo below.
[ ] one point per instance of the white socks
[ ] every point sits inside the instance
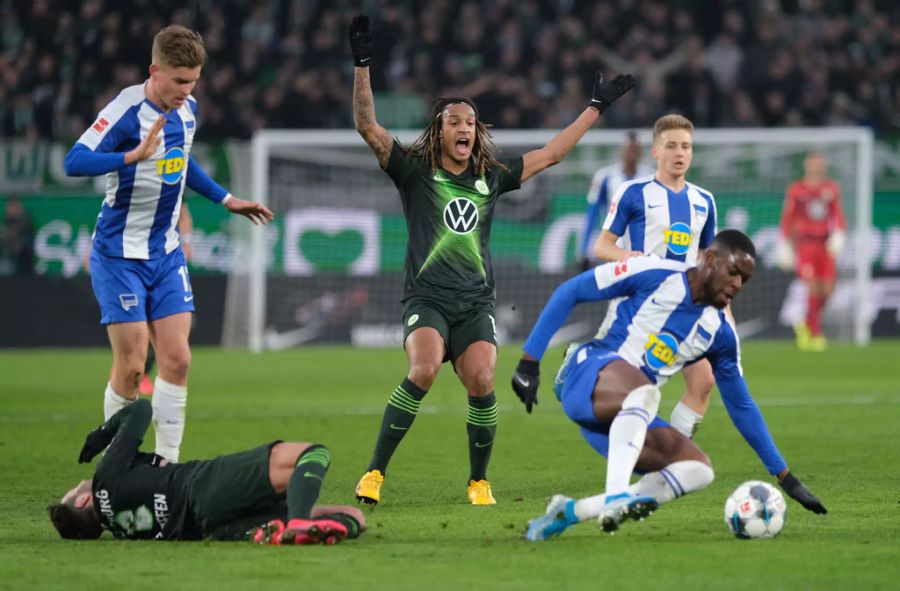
(169, 401)
(627, 434)
(113, 403)
(673, 481)
(685, 419)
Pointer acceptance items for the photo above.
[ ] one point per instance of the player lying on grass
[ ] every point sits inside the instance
(266, 494)
(672, 315)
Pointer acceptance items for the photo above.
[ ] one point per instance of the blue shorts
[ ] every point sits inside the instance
(134, 290)
(574, 388)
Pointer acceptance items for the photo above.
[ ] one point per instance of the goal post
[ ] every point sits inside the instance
(329, 269)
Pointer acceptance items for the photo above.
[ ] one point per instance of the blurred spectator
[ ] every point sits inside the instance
(282, 63)
(16, 240)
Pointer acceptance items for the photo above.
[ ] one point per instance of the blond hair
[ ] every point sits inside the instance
(671, 121)
(178, 47)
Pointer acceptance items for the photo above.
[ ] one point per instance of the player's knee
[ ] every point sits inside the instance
(480, 382)
(424, 373)
(175, 363)
(646, 397)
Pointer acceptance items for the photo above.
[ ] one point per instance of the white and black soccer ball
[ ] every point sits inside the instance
(754, 510)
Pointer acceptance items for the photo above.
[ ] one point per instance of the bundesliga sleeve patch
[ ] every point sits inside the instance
(100, 125)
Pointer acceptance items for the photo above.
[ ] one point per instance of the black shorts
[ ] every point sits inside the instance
(459, 324)
(229, 489)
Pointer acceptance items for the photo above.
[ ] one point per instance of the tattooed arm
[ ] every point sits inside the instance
(378, 138)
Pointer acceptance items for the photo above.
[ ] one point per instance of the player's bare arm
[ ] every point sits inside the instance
(148, 145)
(362, 39)
(605, 248)
(604, 95)
(255, 212)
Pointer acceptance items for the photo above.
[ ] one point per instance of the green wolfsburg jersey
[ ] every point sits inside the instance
(448, 218)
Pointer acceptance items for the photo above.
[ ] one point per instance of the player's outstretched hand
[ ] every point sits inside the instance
(798, 491)
(149, 144)
(525, 382)
(256, 213)
(606, 93)
(95, 442)
(362, 40)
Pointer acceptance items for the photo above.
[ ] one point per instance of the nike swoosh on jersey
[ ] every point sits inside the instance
(188, 298)
(654, 206)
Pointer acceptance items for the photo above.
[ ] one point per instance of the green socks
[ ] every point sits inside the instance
(306, 481)
(401, 410)
(481, 424)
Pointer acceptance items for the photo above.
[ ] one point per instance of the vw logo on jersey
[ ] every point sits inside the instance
(660, 351)
(171, 166)
(678, 238)
(461, 216)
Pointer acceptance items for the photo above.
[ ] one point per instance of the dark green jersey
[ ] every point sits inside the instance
(134, 497)
(448, 218)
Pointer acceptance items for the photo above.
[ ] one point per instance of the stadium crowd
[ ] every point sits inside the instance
(284, 63)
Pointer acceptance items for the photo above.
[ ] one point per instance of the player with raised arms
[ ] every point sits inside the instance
(670, 315)
(449, 181)
(142, 142)
(266, 494)
(669, 217)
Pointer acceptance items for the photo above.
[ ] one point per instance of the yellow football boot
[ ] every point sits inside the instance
(479, 492)
(804, 337)
(368, 490)
(818, 343)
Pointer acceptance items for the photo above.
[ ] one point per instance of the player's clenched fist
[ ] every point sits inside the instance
(525, 382)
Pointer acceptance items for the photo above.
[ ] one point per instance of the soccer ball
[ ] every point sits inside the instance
(755, 509)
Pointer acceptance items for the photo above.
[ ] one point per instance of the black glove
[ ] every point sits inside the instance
(798, 491)
(362, 40)
(525, 382)
(95, 442)
(606, 93)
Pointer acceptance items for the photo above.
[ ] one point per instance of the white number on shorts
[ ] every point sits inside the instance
(182, 270)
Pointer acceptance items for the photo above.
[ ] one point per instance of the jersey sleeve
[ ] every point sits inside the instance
(596, 198)
(400, 164)
(709, 228)
(621, 211)
(130, 425)
(510, 179)
(605, 282)
(199, 181)
(113, 127)
(836, 210)
(724, 356)
(787, 214)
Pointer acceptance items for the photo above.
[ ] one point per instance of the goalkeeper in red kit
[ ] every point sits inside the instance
(813, 234)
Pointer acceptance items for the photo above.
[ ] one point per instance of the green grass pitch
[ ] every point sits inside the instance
(834, 416)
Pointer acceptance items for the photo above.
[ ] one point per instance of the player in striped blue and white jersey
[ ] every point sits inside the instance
(667, 216)
(142, 142)
(671, 315)
(604, 184)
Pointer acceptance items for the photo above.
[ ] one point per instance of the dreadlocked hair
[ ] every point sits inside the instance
(428, 145)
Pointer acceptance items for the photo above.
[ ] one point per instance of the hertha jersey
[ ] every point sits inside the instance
(604, 185)
(659, 329)
(139, 216)
(653, 219)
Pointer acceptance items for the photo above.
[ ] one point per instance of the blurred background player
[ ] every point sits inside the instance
(604, 185)
(449, 181)
(812, 235)
(268, 493)
(670, 315)
(138, 270)
(669, 217)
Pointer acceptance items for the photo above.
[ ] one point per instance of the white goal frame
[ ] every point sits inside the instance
(266, 139)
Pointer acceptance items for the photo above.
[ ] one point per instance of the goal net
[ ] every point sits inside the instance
(330, 269)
